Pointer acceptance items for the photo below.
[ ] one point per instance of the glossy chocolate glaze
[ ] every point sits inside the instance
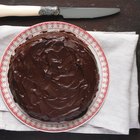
(53, 76)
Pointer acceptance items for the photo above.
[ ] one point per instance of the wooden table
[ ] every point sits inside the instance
(127, 20)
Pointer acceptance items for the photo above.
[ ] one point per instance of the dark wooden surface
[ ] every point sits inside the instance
(127, 20)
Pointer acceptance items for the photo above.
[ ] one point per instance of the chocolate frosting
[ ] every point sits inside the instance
(53, 76)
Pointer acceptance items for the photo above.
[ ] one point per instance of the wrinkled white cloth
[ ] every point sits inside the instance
(120, 110)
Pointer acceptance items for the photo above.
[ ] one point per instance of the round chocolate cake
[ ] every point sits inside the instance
(53, 76)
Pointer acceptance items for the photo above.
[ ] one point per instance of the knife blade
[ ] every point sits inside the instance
(87, 12)
(66, 12)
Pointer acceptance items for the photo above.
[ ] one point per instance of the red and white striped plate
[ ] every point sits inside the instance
(103, 75)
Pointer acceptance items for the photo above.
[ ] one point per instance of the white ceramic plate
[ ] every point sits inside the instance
(103, 76)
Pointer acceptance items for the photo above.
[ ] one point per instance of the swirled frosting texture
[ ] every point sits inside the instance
(53, 76)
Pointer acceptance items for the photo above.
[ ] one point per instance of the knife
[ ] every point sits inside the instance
(66, 12)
